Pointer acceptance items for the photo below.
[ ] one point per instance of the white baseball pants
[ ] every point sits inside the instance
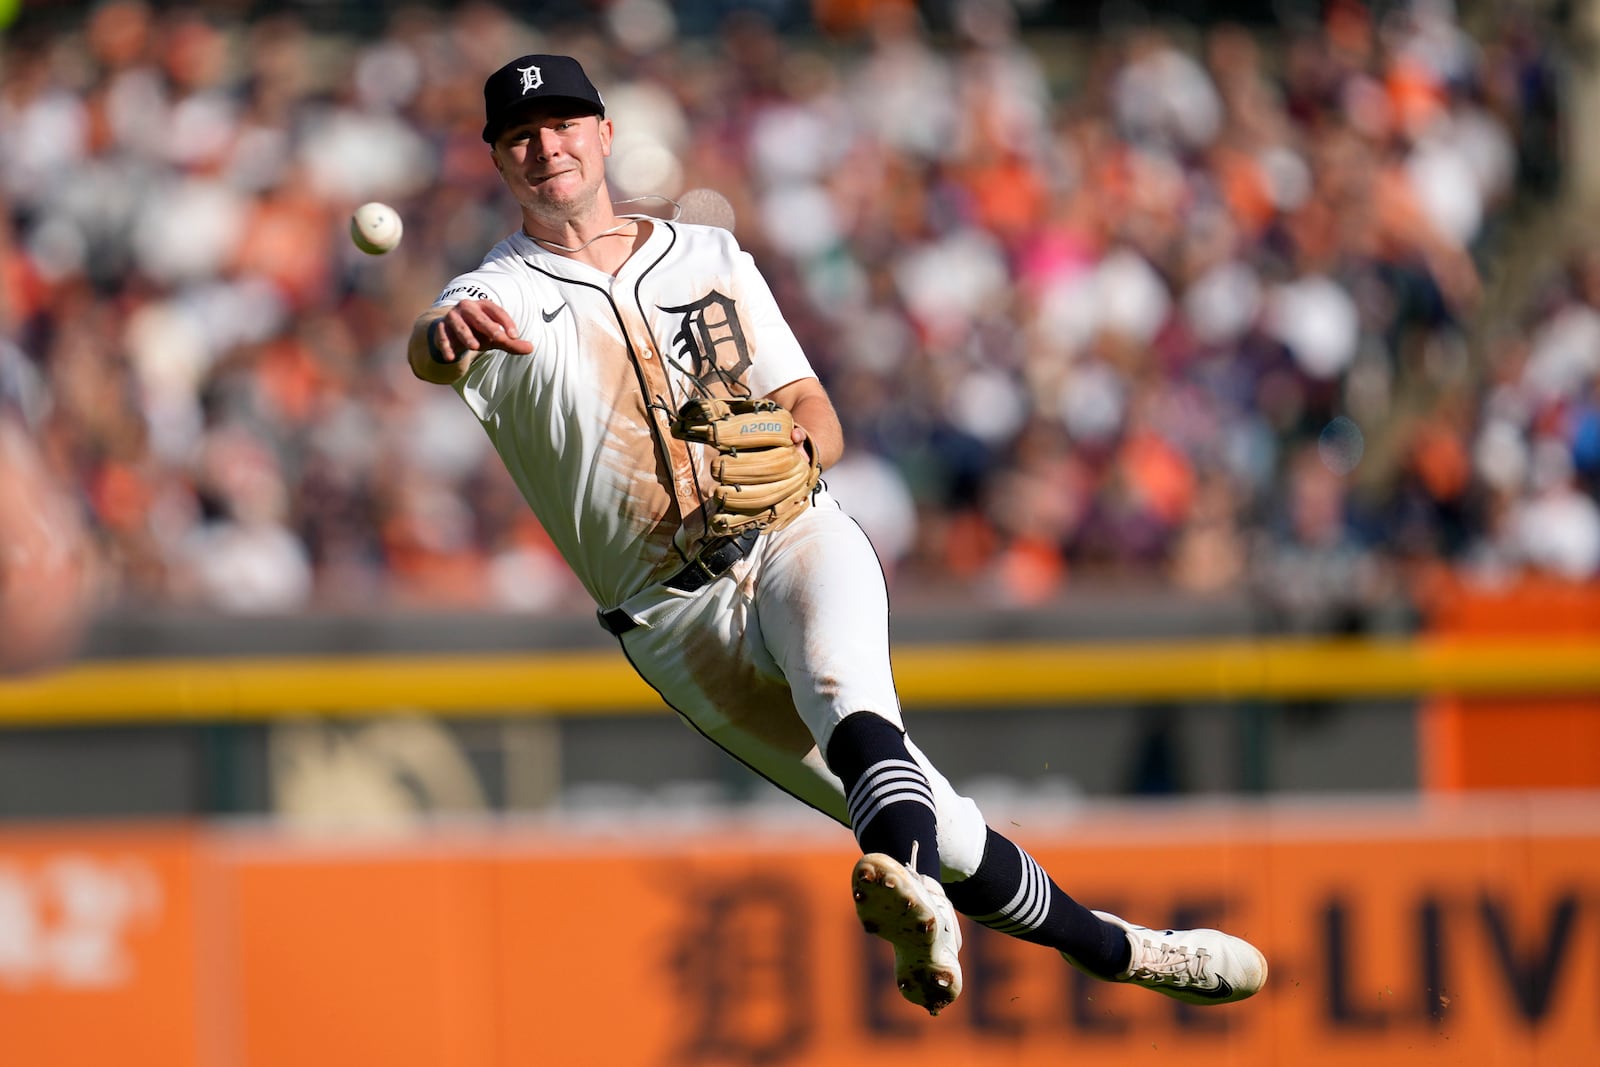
(767, 659)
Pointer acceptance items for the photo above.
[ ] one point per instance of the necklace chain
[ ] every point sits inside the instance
(623, 225)
(627, 220)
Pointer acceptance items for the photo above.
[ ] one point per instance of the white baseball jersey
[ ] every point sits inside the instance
(582, 422)
(769, 658)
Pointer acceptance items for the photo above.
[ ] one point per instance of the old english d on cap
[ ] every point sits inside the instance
(537, 77)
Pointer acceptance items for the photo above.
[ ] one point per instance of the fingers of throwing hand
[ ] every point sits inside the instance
(491, 326)
(440, 347)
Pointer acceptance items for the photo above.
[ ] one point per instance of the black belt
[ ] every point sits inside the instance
(710, 563)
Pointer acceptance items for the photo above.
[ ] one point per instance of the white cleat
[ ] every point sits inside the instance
(1194, 966)
(911, 912)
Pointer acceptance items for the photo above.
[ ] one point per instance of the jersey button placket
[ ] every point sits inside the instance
(679, 459)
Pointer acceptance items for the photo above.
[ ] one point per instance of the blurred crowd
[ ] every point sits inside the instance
(1198, 308)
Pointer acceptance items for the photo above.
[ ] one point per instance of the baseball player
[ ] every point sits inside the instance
(647, 396)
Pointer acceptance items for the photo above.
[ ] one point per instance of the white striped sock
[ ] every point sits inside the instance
(891, 781)
(1028, 909)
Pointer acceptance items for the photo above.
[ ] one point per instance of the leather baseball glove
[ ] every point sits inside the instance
(763, 478)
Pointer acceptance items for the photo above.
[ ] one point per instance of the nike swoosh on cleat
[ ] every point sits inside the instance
(550, 316)
(1222, 992)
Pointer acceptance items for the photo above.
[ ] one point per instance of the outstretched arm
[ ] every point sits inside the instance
(445, 340)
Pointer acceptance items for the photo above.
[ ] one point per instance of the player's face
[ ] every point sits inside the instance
(553, 161)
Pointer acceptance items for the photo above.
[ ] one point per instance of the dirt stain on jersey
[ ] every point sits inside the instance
(630, 449)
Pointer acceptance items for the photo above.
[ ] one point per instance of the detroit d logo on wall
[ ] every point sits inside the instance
(711, 340)
(531, 78)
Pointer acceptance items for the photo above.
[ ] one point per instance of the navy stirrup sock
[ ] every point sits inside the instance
(1011, 893)
(890, 801)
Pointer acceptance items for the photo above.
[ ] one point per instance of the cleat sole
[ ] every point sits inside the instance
(909, 924)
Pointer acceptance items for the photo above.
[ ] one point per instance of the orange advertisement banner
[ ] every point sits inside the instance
(98, 950)
(1396, 950)
(364, 957)
(1397, 936)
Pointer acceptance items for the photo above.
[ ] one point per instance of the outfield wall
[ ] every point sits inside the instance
(1426, 932)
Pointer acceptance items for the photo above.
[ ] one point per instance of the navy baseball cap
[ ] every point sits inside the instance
(536, 77)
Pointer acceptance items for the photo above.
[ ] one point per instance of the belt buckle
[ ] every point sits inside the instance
(700, 563)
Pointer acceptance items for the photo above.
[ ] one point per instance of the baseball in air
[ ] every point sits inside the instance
(375, 228)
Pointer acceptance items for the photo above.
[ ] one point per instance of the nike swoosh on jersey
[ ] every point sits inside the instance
(550, 316)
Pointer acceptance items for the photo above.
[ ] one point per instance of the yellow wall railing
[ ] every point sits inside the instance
(928, 676)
